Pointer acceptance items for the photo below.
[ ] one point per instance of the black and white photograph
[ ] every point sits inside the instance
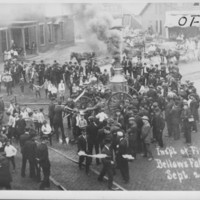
(99, 96)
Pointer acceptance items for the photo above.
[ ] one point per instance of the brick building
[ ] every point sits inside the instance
(33, 28)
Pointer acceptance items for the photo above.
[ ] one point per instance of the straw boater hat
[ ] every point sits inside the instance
(120, 134)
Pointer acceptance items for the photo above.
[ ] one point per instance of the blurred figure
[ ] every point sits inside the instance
(43, 160)
(5, 174)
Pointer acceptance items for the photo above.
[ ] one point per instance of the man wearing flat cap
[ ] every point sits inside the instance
(187, 119)
(132, 136)
(5, 174)
(44, 162)
(158, 124)
(108, 164)
(92, 132)
(2, 109)
(119, 118)
(122, 163)
(83, 146)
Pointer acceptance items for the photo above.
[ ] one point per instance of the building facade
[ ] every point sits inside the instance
(36, 32)
(154, 15)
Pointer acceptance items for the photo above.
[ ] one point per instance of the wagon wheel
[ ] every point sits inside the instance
(132, 91)
(84, 102)
(118, 101)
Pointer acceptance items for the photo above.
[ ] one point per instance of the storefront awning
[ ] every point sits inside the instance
(22, 24)
(182, 19)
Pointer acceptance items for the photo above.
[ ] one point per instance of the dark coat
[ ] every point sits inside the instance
(122, 148)
(109, 154)
(132, 133)
(82, 144)
(175, 115)
(51, 110)
(5, 175)
(23, 138)
(20, 126)
(30, 150)
(43, 155)
(58, 114)
(2, 106)
(194, 109)
(168, 109)
(92, 131)
(158, 123)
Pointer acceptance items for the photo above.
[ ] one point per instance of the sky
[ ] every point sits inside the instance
(134, 8)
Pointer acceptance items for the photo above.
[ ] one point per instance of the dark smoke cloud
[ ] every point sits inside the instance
(95, 24)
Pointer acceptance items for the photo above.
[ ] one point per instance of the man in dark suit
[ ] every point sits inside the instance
(23, 138)
(58, 120)
(92, 131)
(43, 160)
(2, 109)
(158, 125)
(71, 104)
(122, 149)
(108, 164)
(20, 126)
(51, 112)
(5, 174)
(29, 153)
(130, 70)
(83, 146)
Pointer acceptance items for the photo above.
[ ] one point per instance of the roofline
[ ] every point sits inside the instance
(65, 15)
(145, 7)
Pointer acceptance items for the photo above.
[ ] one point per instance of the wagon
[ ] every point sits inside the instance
(82, 56)
(117, 95)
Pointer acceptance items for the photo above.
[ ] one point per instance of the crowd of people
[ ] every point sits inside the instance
(159, 100)
(51, 77)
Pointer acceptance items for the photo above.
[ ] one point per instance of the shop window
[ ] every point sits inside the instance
(156, 26)
(160, 27)
(62, 30)
(50, 32)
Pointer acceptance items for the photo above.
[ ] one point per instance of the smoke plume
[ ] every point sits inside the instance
(95, 24)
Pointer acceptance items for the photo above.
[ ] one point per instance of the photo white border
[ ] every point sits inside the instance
(87, 195)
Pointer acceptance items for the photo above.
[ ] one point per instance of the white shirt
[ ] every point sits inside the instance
(46, 129)
(54, 90)
(35, 117)
(15, 53)
(40, 117)
(49, 87)
(10, 151)
(11, 121)
(61, 87)
(24, 114)
(11, 109)
(189, 102)
(9, 55)
(142, 89)
(102, 116)
(28, 110)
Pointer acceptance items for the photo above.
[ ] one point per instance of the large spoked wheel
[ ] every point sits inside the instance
(118, 100)
(84, 102)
